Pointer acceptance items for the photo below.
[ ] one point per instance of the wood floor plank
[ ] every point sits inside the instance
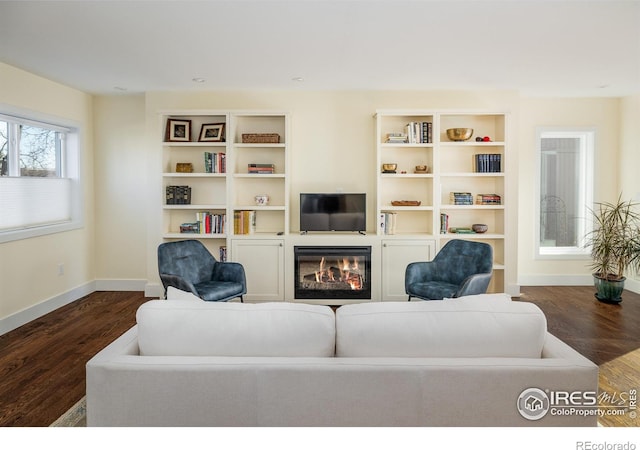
(42, 364)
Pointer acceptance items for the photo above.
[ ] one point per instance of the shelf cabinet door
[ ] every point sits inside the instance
(263, 262)
(396, 255)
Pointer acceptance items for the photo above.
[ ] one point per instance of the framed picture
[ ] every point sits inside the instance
(212, 132)
(178, 130)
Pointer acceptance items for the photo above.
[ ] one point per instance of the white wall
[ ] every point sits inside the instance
(600, 113)
(120, 192)
(29, 280)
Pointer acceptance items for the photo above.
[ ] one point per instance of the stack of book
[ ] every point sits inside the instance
(488, 162)
(488, 199)
(461, 198)
(387, 222)
(419, 132)
(211, 223)
(244, 222)
(261, 168)
(178, 195)
(215, 162)
(397, 138)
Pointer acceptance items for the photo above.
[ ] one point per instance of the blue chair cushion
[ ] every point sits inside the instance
(213, 291)
(435, 290)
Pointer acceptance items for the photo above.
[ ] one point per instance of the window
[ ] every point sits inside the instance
(39, 173)
(565, 191)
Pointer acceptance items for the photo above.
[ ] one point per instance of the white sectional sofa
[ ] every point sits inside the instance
(457, 362)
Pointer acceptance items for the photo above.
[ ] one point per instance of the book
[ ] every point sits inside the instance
(244, 222)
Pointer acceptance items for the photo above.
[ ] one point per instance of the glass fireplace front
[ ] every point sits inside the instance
(325, 272)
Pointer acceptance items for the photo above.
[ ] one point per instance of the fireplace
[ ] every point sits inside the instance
(332, 272)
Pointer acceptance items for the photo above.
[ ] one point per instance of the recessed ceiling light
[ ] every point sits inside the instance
(198, 80)
(120, 88)
(298, 79)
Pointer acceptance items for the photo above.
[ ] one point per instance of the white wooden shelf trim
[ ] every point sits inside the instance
(194, 235)
(193, 175)
(189, 207)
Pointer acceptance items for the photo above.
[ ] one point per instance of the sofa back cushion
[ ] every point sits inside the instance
(179, 328)
(474, 326)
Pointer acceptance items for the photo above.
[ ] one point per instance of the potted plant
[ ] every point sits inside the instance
(615, 247)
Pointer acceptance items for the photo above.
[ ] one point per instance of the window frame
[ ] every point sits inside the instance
(68, 168)
(587, 137)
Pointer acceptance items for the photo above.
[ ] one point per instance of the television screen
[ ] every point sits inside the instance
(333, 212)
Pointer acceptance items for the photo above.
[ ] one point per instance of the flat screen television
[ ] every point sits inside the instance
(333, 212)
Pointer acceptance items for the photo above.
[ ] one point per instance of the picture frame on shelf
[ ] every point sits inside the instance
(212, 132)
(178, 130)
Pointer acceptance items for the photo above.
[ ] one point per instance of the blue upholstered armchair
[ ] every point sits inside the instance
(188, 266)
(460, 268)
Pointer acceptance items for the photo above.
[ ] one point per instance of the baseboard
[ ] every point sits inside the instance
(121, 285)
(33, 312)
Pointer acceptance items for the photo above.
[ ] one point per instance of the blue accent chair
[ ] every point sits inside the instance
(460, 268)
(188, 266)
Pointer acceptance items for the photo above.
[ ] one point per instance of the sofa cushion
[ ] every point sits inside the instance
(179, 328)
(474, 326)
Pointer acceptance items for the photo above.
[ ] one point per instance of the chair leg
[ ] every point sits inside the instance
(241, 299)
(409, 298)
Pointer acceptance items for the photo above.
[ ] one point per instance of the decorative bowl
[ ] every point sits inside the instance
(262, 200)
(388, 167)
(422, 168)
(479, 227)
(459, 134)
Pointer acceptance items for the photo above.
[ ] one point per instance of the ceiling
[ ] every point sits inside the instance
(539, 47)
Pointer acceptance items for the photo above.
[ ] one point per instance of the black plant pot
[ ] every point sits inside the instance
(609, 291)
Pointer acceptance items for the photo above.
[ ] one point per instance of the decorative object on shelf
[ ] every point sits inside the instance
(212, 132)
(479, 227)
(459, 134)
(260, 138)
(421, 168)
(178, 130)
(262, 200)
(488, 199)
(614, 247)
(184, 167)
(178, 195)
(486, 139)
(406, 203)
(258, 168)
(389, 168)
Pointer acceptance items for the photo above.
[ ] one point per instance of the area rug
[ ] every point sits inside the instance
(76, 416)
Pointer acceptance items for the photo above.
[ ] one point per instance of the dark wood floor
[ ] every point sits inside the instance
(42, 364)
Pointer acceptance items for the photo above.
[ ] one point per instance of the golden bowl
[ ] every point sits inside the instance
(389, 167)
(422, 168)
(459, 134)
